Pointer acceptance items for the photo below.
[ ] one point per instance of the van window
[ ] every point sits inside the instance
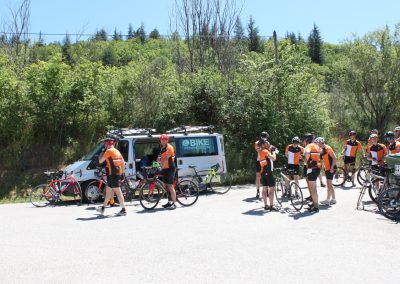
(196, 146)
(123, 147)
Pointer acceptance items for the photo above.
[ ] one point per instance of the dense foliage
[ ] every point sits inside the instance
(60, 101)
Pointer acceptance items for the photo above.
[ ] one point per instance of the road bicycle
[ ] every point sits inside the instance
(373, 184)
(210, 178)
(292, 192)
(95, 190)
(61, 187)
(388, 198)
(152, 189)
(341, 175)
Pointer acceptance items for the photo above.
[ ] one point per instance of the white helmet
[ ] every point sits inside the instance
(319, 140)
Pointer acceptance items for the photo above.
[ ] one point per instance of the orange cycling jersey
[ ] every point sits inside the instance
(351, 148)
(315, 156)
(326, 153)
(377, 152)
(167, 159)
(394, 148)
(265, 162)
(293, 154)
(257, 148)
(114, 162)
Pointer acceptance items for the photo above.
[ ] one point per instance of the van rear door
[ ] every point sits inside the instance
(199, 151)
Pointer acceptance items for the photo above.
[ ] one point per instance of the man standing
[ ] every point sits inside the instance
(394, 145)
(313, 166)
(329, 159)
(350, 151)
(167, 160)
(115, 168)
(293, 154)
(266, 159)
(257, 148)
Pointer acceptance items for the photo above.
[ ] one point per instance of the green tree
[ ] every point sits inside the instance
(255, 43)
(67, 50)
(117, 35)
(131, 32)
(315, 45)
(101, 35)
(238, 30)
(154, 34)
(141, 33)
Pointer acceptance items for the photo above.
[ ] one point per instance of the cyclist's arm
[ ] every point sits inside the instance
(272, 156)
(333, 156)
(102, 158)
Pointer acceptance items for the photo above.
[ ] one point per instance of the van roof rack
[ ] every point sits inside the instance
(191, 129)
(122, 132)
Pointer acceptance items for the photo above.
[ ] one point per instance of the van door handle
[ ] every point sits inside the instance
(130, 165)
(180, 162)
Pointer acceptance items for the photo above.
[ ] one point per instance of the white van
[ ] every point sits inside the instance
(195, 146)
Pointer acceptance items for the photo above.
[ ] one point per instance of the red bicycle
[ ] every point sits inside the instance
(59, 188)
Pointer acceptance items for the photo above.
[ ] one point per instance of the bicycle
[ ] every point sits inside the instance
(152, 190)
(373, 184)
(219, 184)
(389, 197)
(341, 175)
(293, 192)
(68, 188)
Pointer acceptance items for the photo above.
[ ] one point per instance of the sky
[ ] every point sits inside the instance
(337, 20)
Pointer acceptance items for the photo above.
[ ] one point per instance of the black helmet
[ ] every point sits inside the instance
(308, 137)
(296, 139)
(389, 135)
(262, 142)
(264, 134)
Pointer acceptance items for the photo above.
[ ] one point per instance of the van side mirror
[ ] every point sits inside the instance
(95, 160)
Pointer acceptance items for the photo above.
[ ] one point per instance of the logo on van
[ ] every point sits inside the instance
(196, 142)
(185, 143)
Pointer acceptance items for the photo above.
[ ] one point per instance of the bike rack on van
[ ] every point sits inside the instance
(191, 129)
(121, 132)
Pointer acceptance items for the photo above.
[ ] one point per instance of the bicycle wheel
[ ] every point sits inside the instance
(187, 192)
(389, 203)
(149, 195)
(339, 177)
(92, 192)
(279, 192)
(42, 195)
(73, 194)
(128, 188)
(221, 184)
(296, 196)
(373, 189)
(362, 174)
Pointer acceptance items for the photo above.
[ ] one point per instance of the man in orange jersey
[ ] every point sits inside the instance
(394, 146)
(257, 148)
(167, 160)
(350, 151)
(397, 131)
(329, 159)
(312, 159)
(266, 159)
(376, 152)
(115, 168)
(293, 153)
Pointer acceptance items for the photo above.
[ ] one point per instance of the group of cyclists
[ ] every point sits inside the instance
(115, 169)
(316, 153)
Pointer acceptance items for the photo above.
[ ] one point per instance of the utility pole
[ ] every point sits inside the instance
(276, 47)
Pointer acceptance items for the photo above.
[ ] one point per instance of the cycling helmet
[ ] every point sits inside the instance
(375, 131)
(164, 137)
(296, 139)
(319, 140)
(264, 134)
(262, 143)
(389, 135)
(308, 137)
(397, 128)
(352, 132)
(373, 135)
(109, 141)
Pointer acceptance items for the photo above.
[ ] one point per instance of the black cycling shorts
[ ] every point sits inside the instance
(258, 166)
(312, 174)
(295, 168)
(268, 179)
(329, 175)
(113, 181)
(168, 175)
(305, 171)
(350, 160)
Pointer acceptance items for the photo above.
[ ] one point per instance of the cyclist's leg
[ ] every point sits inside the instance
(258, 178)
(117, 191)
(312, 185)
(330, 189)
(168, 179)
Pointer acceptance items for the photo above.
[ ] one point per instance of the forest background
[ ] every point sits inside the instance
(58, 99)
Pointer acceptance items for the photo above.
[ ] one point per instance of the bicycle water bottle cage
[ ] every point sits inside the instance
(156, 164)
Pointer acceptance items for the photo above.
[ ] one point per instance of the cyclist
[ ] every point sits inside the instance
(312, 158)
(266, 161)
(394, 146)
(376, 152)
(329, 158)
(167, 160)
(257, 148)
(115, 168)
(397, 130)
(373, 131)
(350, 152)
(293, 154)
